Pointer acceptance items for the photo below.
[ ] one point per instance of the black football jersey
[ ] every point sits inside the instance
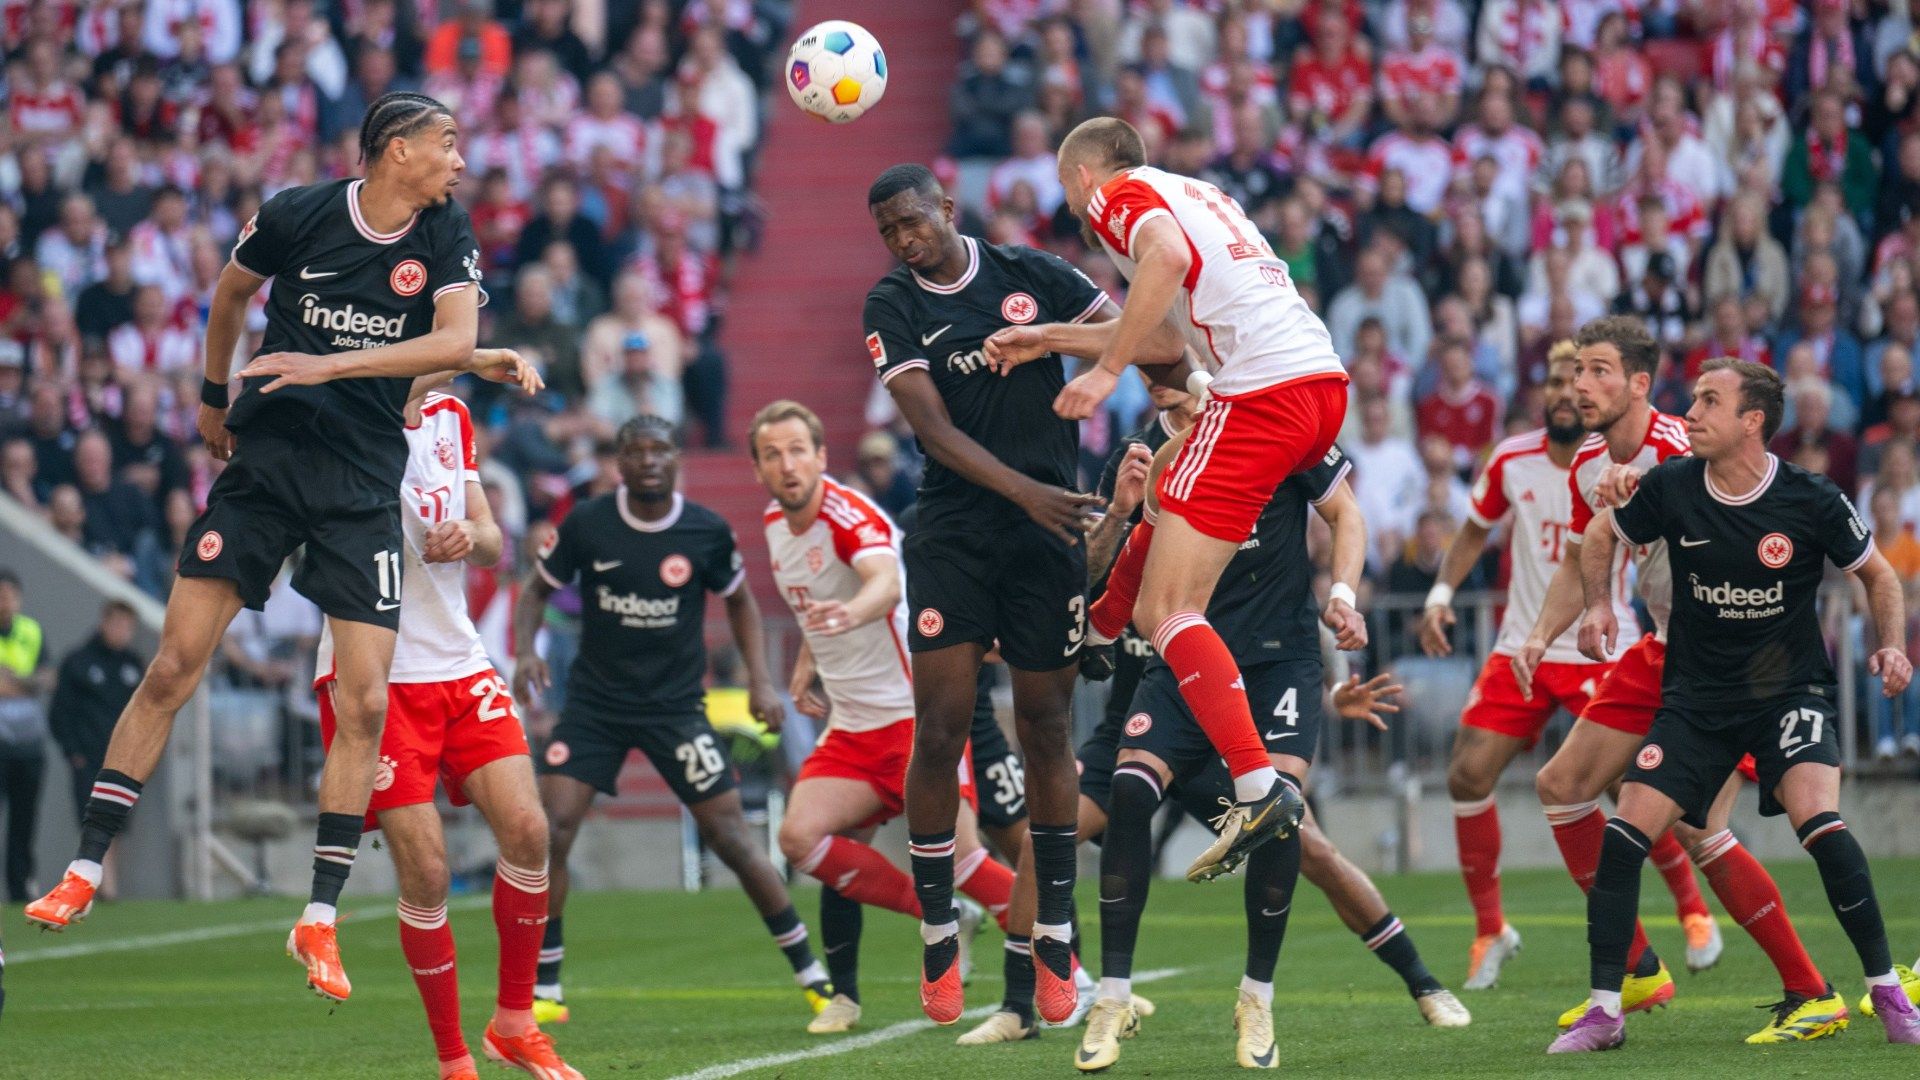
(1746, 572)
(912, 323)
(338, 285)
(643, 587)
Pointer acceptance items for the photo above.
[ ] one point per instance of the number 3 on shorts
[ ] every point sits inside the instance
(702, 760)
(1077, 607)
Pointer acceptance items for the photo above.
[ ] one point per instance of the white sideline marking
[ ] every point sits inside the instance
(873, 1038)
(199, 934)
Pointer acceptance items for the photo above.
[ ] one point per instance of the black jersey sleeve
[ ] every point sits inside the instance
(1848, 540)
(1321, 480)
(1110, 475)
(723, 571)
(267, 237)
(1643, 519)
(455, 262)
(890, 338)
(559, 564)
(1065, 294)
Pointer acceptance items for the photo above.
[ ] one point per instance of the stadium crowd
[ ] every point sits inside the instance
(1455, 185)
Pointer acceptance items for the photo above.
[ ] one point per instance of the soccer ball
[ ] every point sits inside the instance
(836, 71)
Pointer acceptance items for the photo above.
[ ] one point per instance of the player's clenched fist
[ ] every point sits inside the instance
(1130, 483)
(1081, 397)
(449, 541)
(1012, 346)
(1894, 669)
(1618, 483)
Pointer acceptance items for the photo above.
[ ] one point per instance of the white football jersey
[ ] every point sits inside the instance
(866, 673)
(1238, 304)
(1666, 437)
(1520, 478)
(437, 640)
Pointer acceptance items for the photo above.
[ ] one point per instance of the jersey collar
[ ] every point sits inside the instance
(665, 523)
(1759, 489)
(360, 223)
(973, 267)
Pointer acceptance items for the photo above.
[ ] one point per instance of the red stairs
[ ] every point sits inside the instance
(793, 318)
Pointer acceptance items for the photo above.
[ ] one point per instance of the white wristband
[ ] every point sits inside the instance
(1441, 595)
(1340, 590)
(1197, 384)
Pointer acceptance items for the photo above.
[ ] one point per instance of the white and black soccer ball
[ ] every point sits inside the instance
(836, 71)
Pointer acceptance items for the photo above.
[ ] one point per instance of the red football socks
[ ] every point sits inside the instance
(520, 917)
(987, 881)
(1210, 683)
(1578, 830)
(861, 874)
(1476, 831)
(427, 942)
(1114, 610)
(1748, 893)
(1671, 860)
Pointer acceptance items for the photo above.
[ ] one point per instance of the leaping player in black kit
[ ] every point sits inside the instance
(996, 556)
(1746, 673)
(645, 559)
(376, 282)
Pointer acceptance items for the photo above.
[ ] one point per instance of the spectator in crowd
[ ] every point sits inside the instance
(1827, 152)
(1388, 481)
(106, 304)
(1381, 292)
(1746, 261)
(634, 312)
(17, 469)
(987, 94)
(560, 219)
(1837, 353)
(533, 329)
(144, 456)
(1896, 475)
(1812, 432)
(120, 517)
(153, 343)
(74, 253)
(23, 732)
(636, 388)
(94, 684)
(878, 472)
(1462, 411)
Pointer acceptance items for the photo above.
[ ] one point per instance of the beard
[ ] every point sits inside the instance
(1565, 433)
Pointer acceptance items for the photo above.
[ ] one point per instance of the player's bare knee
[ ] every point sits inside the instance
(523, 837)
(359, 713)
(170, 678)
(797, 841)
(940, 745)
(424, 884)
(1466, 782)
(1557, 786)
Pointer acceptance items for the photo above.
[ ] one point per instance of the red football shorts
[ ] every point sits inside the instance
(878, 758)
(1497, 705)
(1630, 693)
(1242, 448)
(436, 733)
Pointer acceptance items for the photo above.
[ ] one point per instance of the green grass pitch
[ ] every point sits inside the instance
(666, 984)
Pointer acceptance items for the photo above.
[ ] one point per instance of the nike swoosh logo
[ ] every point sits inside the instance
(1850, 907)
(1803, 746)
(1684, 542)
(602, 567)
(928, 339)
(307, 274)
(385, 605)
(707, 783)
(1084, 1056)
(1275, 914)
(1279, 734)
(1068, 881)
(1265, 1060)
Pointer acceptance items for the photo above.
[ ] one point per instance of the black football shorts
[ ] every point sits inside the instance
(1020, 587)
(688, 754)
(1688, 757)
(1285, 696)
(277, 494)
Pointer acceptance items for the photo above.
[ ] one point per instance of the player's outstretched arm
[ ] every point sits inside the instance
(879, 591)
(1356, 700)
(743, 616)
(1161, 263)
(226, 321)
(1341, 511)
(1012, 346)
(1561, 607)
(1887, 605)
(1436, 622)
(493, 365)
(456, 328)
(1065, 514)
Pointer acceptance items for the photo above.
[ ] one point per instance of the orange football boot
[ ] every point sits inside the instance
(317, 946)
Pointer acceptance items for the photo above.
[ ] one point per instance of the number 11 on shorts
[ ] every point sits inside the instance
(387, 565)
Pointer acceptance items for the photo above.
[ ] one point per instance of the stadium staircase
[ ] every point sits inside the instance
(793, 320)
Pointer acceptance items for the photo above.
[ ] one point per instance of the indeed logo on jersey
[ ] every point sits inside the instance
(638, 611)
(966, 363)
(1735, 602)
(348, 321)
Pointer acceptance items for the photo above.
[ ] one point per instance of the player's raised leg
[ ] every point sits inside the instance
(566, 802)
(198, 612)
(504, 790)
(722, 823)
(1479, 757)
(820, 811)
(362, 654)
(1358, 903)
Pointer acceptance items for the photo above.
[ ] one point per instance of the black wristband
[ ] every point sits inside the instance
(213, 394)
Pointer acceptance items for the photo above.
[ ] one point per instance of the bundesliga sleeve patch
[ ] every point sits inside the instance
(877, 350)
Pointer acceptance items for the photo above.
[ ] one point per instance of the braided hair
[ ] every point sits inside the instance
(397, 115)
(643, 425)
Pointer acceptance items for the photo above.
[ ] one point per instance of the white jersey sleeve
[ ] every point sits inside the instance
(1238, 302)
(437, 641)
(866, 673)
(1666, 437)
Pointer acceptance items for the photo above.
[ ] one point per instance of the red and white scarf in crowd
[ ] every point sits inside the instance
(1836, 51)
(1826, 161)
